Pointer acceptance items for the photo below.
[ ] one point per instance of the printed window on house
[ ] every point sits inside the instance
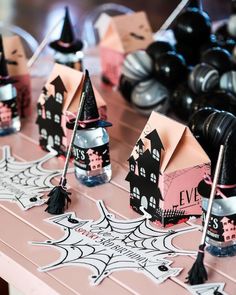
(44, 133)
(142, 172)
(57, 118)
(152, 202)
(153, 178)
(156, 154)
(59, 97)
(132, 167)
(136, 193)
(140, 151)
(48, 114)
(57, 139)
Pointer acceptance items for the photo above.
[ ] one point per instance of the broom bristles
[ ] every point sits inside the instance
(58, 200)
(198, 274)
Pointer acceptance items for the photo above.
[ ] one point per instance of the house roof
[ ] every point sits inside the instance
(71, 79)
(125, 33)
(181, 148)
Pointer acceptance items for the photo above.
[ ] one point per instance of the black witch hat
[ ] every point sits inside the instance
(89, 117)
(195, 4)
(67, 42)
(4, 76)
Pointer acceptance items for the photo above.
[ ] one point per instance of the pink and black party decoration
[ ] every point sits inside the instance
(213, 128)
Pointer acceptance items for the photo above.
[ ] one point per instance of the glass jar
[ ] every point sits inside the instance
(73, 60)
(9, 117)
(221, 232)
(91, 156)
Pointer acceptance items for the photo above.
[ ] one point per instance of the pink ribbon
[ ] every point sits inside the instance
(208, 180)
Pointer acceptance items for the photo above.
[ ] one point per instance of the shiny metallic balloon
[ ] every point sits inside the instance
(137, 65)
(228, 81)
(150, 95)
(203, 78)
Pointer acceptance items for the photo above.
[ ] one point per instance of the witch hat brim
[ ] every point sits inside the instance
(7, 80)
(62, 47)
(67, 42)
(81, 125)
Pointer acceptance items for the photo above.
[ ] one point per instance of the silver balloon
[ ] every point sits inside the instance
(228, 81)
(150, 95)
(232, 25)
(137, 65)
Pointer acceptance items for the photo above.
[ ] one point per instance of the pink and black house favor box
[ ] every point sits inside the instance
(120, 35)
(58, 104)
(166, 166)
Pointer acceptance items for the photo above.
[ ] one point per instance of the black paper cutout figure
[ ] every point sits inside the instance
(143, 177)
(136, 36)
(50, 115)
(140, 147)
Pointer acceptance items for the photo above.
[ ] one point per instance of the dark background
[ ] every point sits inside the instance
(37, 16)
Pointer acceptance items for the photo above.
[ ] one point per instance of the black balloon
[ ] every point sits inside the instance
(217, 57)
(203, 78)
(213, 128)
(157, 48)
(190, 54)
(126, 87)
(212, 42)
(193, 27)
(182, 101)
(222, 32)
(170, 69)
(219, 99)
(197, 121)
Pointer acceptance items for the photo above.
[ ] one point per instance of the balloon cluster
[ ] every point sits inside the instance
(198, 71)
(212, 128)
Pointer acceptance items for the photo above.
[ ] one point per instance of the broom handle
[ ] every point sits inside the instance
(213, 192)
(72, 138)
(41, 46)
(173, 15)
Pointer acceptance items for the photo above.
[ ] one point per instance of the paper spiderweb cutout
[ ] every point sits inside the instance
(110, 244)
(207, 289)
(25, 182)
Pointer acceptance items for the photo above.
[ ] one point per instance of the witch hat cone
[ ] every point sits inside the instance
(195, 4)
(89, 117)
(4, 76)
(67, 42)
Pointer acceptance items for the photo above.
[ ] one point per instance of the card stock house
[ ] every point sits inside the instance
(166, 165)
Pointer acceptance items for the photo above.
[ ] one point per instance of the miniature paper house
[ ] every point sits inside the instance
(166, 166)
(120, 35)
(58, 103)
(18, 70)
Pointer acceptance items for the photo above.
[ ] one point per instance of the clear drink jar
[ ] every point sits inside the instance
(9, 117)
(73, 60)
(91, 156)
(221, 233)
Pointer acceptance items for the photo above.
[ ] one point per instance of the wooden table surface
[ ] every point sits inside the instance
(19, 260)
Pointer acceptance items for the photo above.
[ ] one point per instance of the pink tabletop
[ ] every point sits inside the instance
(19, 260)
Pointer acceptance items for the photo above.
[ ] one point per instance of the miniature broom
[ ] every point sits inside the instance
(59, 196)
(198, 273)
